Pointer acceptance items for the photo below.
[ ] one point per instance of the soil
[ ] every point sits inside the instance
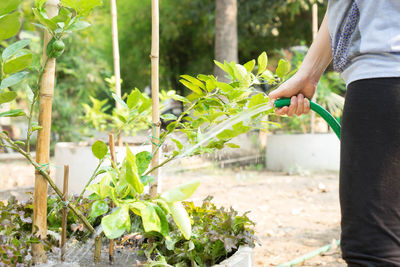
(295, 214)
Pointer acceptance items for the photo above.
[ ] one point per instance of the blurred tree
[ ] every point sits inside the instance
(188, 35)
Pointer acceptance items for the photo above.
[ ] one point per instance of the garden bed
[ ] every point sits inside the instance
(294, 214)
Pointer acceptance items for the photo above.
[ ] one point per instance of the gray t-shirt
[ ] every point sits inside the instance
(365, 38)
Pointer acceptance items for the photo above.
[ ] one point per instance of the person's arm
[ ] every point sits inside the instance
(304, 82)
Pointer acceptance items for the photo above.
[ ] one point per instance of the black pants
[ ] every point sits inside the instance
(370, 173)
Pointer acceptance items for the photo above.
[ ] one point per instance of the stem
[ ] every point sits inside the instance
(88, 183)
(34, 101)
(177, 121)
(160, 165)
(49, 180)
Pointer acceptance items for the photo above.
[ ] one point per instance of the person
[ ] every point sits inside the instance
(362, 38)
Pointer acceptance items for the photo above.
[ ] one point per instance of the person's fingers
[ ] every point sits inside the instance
(281, 111)
(293, 106)
(300, 105)
(306, 108)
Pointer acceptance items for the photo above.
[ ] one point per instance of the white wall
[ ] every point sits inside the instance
(306, 151)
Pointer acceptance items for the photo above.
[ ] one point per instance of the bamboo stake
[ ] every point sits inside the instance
(114, 159)
(117, 69)
(97, 248)
(64, 213)
(155, 52)
(114, 31)
(314, 32)
(43, 139)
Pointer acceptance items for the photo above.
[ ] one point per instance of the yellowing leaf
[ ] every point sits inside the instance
(181, 218)
(250, 65)
(283, 68)
(262, 63)
(196, 89)
(181, 192)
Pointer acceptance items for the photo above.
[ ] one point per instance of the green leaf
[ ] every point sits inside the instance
(79, 25)
(39, 3)
(181, 192)
(130, 171)
(256, 100)
(262, 63)
(14, 48)
(20, 143)
(36, 128)
(13, 79)
(146, 104)
(226, 134)
(115, 224)
(99, 149)
(196, 89)
(225, 67)
(95, 188)
(82, 7)
(250, 65)
(13, 113)
(240, 72)
(268, 76)
(51, 25)
(22, 60)
(194, 81)
(64, 16)
(180, 98)
(225, 87)
(6, 6)
(143, 160)
(119, 100)
(99, 207)
(210, 85)
(7, 97)
(168, 117)
(9, 25)
(105, 190)
(147, 179)
(283, 68)
(150, 219)
(240, 128)
(181, 218)
(133, 98)
(163, 221)
(232, 145)
(178, 144)
(137, 207)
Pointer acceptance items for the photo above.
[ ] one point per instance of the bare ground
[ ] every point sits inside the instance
(294, 214)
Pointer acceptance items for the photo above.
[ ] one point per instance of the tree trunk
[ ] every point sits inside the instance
(226, 39)
(43, 143)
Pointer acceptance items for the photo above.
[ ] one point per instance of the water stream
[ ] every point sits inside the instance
(227, 124)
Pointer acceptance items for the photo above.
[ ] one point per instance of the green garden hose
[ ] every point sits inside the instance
(318, 109)
(336, 128)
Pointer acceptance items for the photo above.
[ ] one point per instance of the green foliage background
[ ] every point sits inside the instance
(186, 47)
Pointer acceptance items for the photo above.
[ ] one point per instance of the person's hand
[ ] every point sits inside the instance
(300, 89)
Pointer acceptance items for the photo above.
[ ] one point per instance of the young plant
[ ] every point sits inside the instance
(210, 104)
(15, 58)
(129, 117)
(124, 186)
